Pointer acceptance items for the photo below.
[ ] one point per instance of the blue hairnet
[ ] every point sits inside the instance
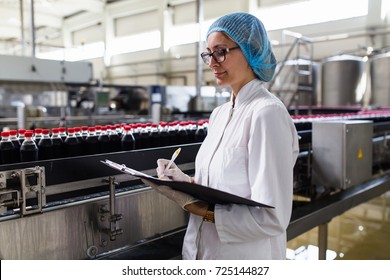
(249, 33)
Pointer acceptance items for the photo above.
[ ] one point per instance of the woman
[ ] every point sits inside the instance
(250, 151)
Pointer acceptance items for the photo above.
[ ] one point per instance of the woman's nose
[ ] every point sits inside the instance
(213, 62)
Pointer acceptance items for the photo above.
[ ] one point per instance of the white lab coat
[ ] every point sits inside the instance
(250, 150)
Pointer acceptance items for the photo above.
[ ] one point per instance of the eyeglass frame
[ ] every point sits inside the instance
(208, 55)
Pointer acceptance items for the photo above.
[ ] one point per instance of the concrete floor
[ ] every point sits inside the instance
(362, 233)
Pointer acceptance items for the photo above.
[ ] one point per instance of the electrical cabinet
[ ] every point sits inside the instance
(342, 152)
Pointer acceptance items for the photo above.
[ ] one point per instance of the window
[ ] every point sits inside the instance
(310, 12)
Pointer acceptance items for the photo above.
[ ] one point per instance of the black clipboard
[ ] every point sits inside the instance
(206, 194)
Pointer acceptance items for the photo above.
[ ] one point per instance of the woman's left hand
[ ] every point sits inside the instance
(198, 208)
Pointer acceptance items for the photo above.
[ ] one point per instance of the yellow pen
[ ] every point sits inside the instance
(174, 156)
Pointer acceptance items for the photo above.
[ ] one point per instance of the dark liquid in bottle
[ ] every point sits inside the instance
(200, 135)
(191, 135)
(72, 147)
(137, 139)
(45, 149)
(155, 140)
(164, 138)
(115, 142)
(92, 145)
(58, 148)
(144, 139)
(182, 136)
(28, 152)
(17, 145)
(172, 137)
(104, 143)
(7, 152)
(127, 142)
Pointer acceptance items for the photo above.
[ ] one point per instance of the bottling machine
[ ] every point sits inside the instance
(77, 208)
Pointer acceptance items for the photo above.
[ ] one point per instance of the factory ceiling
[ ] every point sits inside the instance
(49, 16)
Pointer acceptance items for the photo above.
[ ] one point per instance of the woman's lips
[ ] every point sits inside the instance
(219, 74)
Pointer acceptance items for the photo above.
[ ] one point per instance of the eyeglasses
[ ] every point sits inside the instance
(218, 55)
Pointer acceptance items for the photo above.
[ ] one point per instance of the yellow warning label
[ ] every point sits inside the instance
(360, 154)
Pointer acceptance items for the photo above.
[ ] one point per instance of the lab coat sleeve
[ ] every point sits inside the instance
(272, 152)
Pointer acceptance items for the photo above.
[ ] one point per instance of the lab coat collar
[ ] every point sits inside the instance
(247, 93)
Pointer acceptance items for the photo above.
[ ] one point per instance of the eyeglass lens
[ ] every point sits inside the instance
(219, 56)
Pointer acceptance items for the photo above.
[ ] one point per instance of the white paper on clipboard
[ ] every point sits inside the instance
(124, 168)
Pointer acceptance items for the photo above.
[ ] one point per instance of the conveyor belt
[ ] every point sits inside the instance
(320, 212)
(323, 210)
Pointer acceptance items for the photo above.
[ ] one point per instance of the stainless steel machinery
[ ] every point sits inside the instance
(380, 84)
(341, 77)
(342, 152)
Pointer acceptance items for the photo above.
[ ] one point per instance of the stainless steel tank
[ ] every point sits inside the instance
(340, 79)
(380, 80)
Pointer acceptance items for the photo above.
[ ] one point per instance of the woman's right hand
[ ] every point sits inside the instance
(173, 173)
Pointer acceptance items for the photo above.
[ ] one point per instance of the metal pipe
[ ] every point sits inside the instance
(151, 61)
(21, 115)
(23, 39)
(165, 74)
(112, 195)
(197, 102)
(199, 65)
(32, 29)
(338, 37)
(322, 241)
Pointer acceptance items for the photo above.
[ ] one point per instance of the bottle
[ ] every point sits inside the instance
(98, 130)
(200, 133)
(206, 125)
(63, 134)
(137, 136)
(7, 149)
(182, 134)
(164, 136)
(84, 132)
(45, 146)
(118, 128)
(115, 139)
(28, 149)
(77, 133)
(72, 145)
(80, 139)
(91, 142)
(21, 132)
(172, 134)
(154, 136)
(191, 129)
(37, 135)
(144, 137)
(58, 144)
(104, 141)
(127, 141)
(14, 139)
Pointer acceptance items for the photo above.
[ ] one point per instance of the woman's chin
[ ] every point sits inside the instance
(221, 82)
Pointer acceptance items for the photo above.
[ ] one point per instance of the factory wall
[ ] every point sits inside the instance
(176, 65)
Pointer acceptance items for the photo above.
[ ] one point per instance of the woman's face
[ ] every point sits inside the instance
(235, 70)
